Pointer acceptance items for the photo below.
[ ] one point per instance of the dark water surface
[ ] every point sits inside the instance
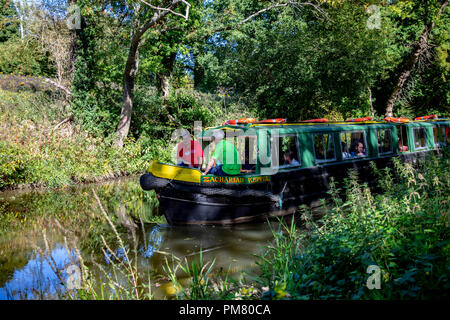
(25, 215)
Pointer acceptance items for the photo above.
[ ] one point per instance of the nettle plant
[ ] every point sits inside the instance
(402, 230)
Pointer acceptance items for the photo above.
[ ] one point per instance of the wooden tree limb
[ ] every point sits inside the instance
(293, 4)
(418, 50)
(67, 119)
(185, 16)
(132, 65)
(57, 85)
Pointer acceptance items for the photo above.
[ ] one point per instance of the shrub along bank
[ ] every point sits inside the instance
(401, 232)
(36, 151)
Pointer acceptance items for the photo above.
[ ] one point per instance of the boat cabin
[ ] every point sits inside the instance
(267, 148)
(285, 165)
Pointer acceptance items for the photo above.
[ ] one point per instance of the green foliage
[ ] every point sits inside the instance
(426, 90)
(290, 63)
(12, 170)
(187, 109)
(24, 58)
(201, 286)
(403, 230)
(8, 21)
(96, 105)
(298, 63)
(32, 154)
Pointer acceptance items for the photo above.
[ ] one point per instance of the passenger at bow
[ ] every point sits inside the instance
(189, 152)
(225, 159)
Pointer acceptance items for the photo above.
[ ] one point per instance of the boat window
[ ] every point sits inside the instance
(439, 136)
(353, 144)
(402, 139)
(324, 147)
(384, 138)
(287, 154)
(247, 152)
(447, 133)
(420, 141)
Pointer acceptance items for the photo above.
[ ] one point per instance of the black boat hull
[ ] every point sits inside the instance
(189, 203)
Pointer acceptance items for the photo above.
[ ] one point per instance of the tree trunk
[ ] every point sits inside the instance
(199, 72)
(418, 50)
(371, 103)
(72, 49)
(129, 78)
(165, 77)
(130, 72)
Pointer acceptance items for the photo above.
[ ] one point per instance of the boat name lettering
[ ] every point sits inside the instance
(237, 180)
(258, 179)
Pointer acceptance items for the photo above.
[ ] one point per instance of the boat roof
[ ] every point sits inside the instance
(295, 127)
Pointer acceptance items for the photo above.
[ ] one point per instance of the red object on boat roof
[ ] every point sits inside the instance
(359, 119)
(391, 119)
(433, 116)
(277, 120)
(240, 121)
(316, 120)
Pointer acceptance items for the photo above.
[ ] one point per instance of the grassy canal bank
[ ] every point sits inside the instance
(36, 152)
(46, 142)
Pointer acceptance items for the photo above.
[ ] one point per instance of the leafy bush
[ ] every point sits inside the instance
(24, 58)
(12, 169)
(188, 109)
(403, 230)
(31, 153)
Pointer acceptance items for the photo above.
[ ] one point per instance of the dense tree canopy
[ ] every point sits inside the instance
(282, 58)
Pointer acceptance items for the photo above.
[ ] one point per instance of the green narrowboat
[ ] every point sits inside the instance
(274, 187)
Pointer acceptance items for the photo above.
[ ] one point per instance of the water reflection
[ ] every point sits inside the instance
(152, 243)
(25, 274)
(37, 280)
(233, 248)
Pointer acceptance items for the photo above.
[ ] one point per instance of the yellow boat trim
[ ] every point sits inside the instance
(167, 171)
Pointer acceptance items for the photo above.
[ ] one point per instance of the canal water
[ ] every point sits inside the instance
(37, 229)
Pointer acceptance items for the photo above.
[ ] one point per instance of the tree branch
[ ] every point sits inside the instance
(294, 4)
(67, 119)
(53, 83)
(186, 14)
(279, 5)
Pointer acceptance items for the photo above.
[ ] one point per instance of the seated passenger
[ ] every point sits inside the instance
(345, 153)
(225, 159)
(189, 152)
(402, 147)
(358, 150)
(289, 159)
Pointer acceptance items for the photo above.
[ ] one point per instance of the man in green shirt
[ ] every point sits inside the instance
(225, 160)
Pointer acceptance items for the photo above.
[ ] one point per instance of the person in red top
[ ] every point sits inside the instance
(189, 152)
